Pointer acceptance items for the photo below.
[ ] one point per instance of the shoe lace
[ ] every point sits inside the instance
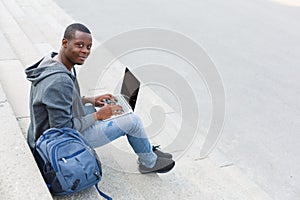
(155, 147)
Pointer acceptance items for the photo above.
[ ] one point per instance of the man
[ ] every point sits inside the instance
(55, 101)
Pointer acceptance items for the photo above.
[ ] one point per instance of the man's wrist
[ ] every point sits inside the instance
(83, 99)
(95, 116)
(86, 100)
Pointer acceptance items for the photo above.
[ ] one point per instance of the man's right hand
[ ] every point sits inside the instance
(107, 111)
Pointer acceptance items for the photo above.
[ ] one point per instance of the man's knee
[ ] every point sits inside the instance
(134, 122)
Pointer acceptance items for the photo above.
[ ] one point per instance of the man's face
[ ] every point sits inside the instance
(78, 48)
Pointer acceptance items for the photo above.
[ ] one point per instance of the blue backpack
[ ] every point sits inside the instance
(67, 162)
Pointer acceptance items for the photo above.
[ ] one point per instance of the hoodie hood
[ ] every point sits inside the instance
(44, 68)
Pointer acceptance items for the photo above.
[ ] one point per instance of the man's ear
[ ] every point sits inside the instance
(64, 42)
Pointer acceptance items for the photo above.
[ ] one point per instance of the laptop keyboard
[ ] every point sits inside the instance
(123, 103)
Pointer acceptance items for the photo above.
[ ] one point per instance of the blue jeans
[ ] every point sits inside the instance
(103, 132)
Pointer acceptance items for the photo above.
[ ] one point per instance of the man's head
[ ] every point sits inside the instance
(76, 45)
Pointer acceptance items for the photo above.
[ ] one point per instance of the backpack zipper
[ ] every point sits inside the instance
(53, 156)
(72, 155)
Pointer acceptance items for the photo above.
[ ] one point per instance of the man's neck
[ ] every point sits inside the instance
(62, 60)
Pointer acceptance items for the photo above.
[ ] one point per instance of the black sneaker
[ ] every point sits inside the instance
(161, 154)
(162, 165)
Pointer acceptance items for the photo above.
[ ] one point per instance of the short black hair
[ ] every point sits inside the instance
(72, 28)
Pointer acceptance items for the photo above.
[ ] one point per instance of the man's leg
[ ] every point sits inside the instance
(130, 125)
(151, 160)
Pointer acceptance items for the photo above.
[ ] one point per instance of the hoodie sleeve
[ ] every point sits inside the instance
(58, 98)
(82, 123)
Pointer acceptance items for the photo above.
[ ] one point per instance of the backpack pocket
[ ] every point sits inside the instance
(77, 166)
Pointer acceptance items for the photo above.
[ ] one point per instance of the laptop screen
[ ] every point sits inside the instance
(130, 88)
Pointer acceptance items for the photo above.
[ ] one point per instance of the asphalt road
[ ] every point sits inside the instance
(255, 47)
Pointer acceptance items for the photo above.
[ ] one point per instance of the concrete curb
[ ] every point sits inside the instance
(19, 175)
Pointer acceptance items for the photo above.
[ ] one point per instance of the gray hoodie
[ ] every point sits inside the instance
(55, 99)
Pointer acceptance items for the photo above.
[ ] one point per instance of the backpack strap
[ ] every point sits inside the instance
(103, 194)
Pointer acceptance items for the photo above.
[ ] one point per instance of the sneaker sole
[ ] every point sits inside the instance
(161, 171)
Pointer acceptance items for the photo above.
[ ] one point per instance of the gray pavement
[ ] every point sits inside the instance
(255, 46)
(28, 30)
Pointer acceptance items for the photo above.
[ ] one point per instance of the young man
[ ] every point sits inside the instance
(55, 101)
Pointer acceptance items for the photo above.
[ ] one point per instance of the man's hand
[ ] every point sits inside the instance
(107, 111)
(98, 100)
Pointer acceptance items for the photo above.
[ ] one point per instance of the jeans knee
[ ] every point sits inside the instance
(130, 125)
(136, 126)
(135, 120)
